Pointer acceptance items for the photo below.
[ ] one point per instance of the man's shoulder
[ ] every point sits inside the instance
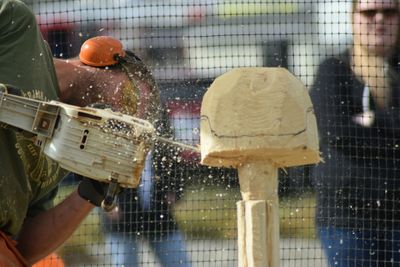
(342, 59)
(338, 65)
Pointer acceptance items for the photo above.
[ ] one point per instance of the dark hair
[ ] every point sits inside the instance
(355, 3)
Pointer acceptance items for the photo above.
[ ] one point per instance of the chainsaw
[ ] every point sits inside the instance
(100, 144)
(96, 143)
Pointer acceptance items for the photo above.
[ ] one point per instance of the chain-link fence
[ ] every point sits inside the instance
(188, 218)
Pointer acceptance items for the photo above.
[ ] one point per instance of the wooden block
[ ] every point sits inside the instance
(256, 120)
(258, 114)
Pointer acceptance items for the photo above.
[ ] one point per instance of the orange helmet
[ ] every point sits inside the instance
(101, 51)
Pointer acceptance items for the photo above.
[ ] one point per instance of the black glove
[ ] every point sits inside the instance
(100, 194)
(91, 190)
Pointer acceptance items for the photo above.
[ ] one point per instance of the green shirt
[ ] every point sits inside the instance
(28, 179)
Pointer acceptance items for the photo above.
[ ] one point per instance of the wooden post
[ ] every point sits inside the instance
(256, 120)
(258, 215)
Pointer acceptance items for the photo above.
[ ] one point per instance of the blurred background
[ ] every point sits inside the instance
(187, 44)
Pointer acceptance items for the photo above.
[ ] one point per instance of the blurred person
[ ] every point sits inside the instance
(146, 213)
(356, 96)
(31, 227)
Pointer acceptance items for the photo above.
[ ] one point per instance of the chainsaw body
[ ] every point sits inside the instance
(97, 143)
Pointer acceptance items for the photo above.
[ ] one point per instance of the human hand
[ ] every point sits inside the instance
(365, 119)
(91, 190)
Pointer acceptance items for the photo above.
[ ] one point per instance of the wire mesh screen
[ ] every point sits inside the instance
(342, 212)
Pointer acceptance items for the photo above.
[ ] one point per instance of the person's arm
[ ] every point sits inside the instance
(44, 233)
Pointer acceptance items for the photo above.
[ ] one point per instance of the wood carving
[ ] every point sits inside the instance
(257, 120)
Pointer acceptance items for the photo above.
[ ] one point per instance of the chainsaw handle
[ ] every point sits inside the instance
(110, 199)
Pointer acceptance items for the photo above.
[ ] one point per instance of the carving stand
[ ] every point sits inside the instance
(258, 120)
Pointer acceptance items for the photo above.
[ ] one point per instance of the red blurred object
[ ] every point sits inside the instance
(52, 260)
(56, 24)
(197, 14)
(61, 35)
